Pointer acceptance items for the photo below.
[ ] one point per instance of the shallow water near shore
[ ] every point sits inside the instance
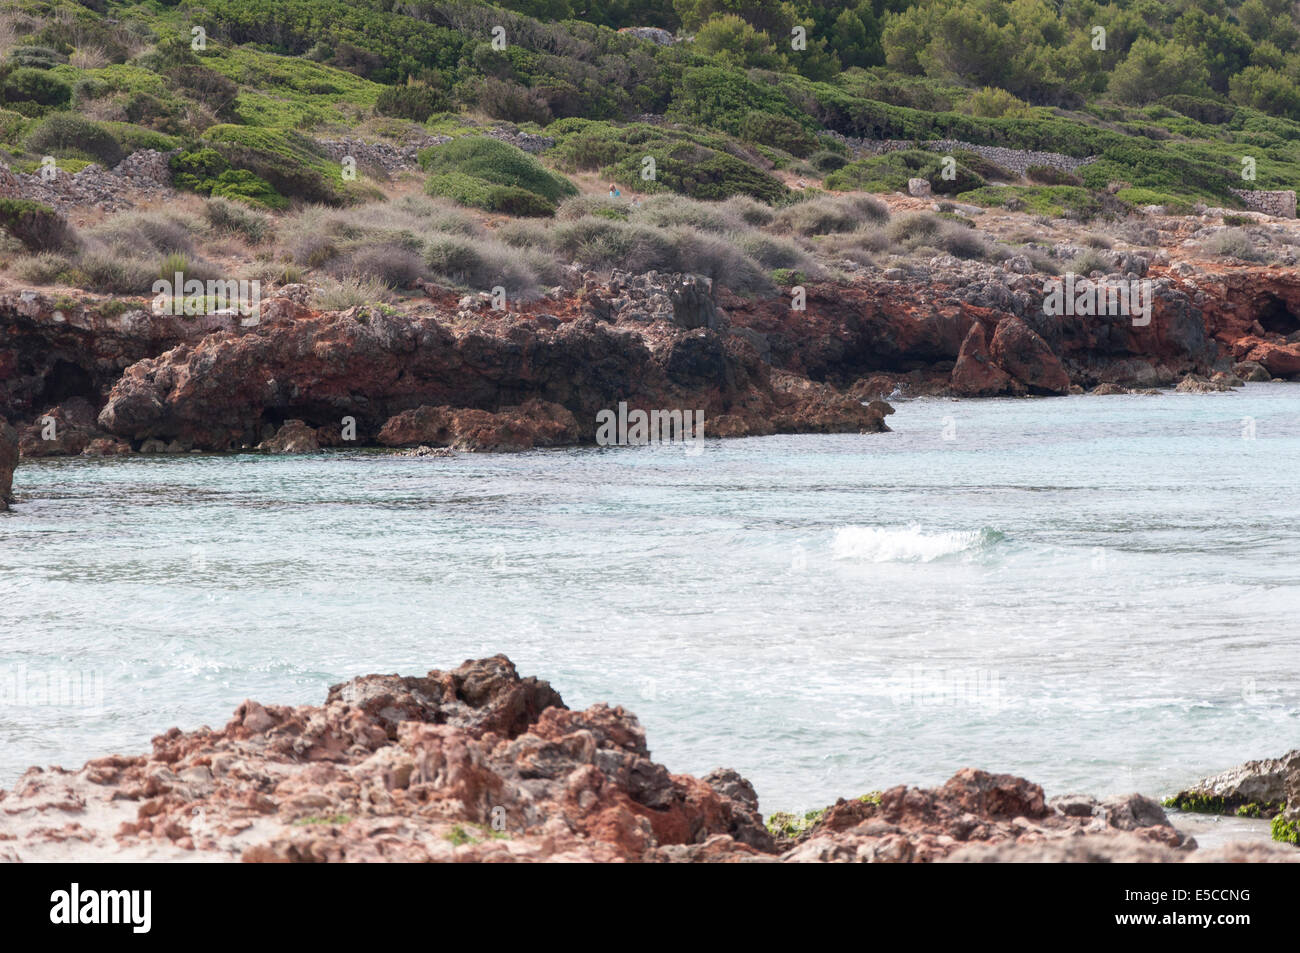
(1101, 594)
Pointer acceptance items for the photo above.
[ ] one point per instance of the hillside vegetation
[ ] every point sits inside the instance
(1169, 101)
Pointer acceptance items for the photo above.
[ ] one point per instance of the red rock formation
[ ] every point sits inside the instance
(473, 764)
(478, 764)
(222, 391)
(535, 423)
(1026, 357)
(975, 374)
(1278, 358)
(294, 437)
(52, 349)
(65, 430)
(753, 366)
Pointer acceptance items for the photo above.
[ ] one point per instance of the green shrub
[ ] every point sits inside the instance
(1173, 204)
(37, 226)
(994, 103)
(984, 168)
(288, 162)
(244, 186)
(891, 171)
(1054, 201)
(207, 172)
(498, 163)
(1050, 175)
(729, 100)
(700, 166)
(888, 172)
(34, 86)
(827, 161)
(197, 170)
(780, 132)
(132, 137)
(1202, 110)
(1173, 167)
(698, 172)
(479, 193)
(148, 110)
(414, 101)
(69, 134)
(37, 57)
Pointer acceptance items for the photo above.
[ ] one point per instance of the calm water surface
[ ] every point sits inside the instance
(1098, 593)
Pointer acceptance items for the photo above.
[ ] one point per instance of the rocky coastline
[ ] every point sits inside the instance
(96, 377)
(478, 764)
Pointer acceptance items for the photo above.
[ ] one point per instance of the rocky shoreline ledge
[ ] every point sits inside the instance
(480, 765)
(100, 377)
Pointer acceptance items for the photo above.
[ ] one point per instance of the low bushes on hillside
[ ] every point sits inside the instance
(601, 244)
(647, 158)
(207, 172)
(74, 136)
(415, 101)
(824, 214)
(289, 162)
(37, 226)
(891, 171)
(233, 218)
(33, 91)
(493, 175)
(922, 230)
(1233, 243)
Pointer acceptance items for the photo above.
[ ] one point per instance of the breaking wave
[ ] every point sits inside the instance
(907, 544)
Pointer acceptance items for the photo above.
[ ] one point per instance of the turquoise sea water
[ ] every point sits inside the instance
(1098, 593)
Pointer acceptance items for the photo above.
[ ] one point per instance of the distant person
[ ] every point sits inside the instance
(613, 191)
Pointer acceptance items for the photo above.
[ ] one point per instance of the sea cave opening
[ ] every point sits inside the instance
(1276, 318)
(66, 380)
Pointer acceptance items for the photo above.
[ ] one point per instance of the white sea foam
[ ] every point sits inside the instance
(906, 544)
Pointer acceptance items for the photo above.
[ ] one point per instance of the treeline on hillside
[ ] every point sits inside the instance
(761, 85)
(561, 60)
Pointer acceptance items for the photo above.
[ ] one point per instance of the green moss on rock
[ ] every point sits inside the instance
(1286, 831)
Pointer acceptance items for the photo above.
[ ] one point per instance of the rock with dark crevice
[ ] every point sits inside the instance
(8, 462)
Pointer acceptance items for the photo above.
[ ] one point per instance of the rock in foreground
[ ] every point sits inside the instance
(8, 462)
(478, 764)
